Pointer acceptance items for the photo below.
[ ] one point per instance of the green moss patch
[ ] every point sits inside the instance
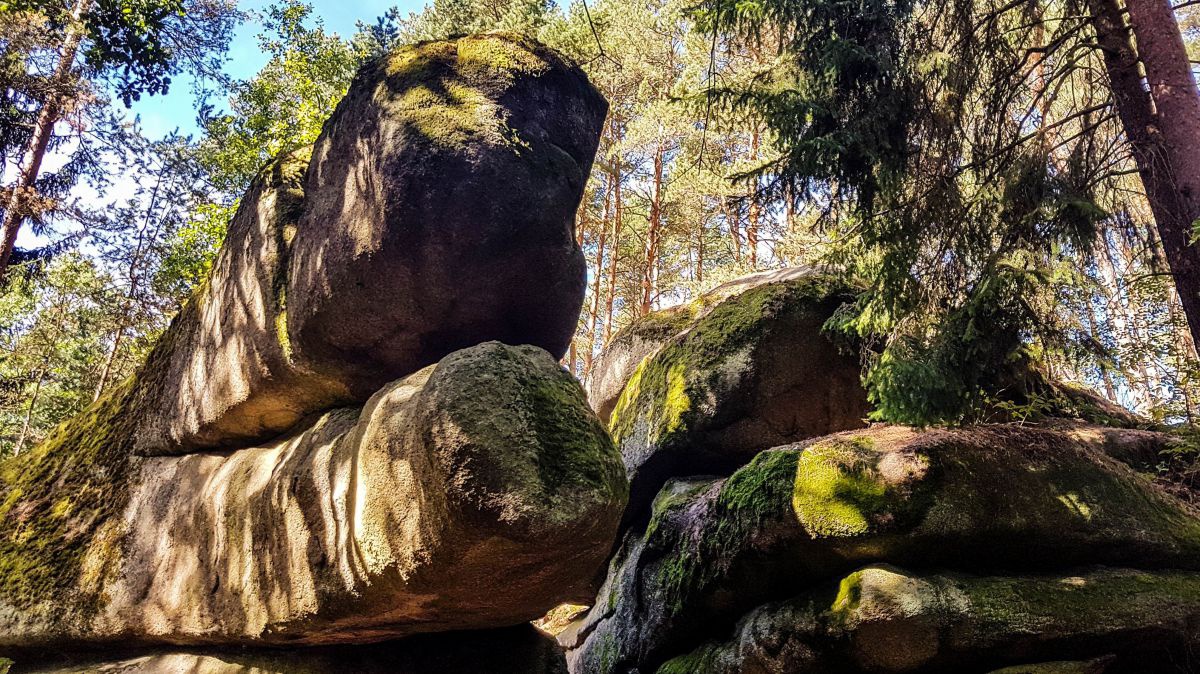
(446, 89)
(1081, 604)
(578, 457)
(666, 396)
(838, 491)
(64, 497)
(754, 500)
(57, 498)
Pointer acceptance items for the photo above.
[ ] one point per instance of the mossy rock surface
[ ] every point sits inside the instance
(440, 209)
(435, 212)
(64, 496)
(995, 499)
(480, 153)
(755, 370)
(884, 619)
(647, 334)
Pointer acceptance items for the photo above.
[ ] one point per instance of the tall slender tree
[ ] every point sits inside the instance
(132, 49)
(1161, 118)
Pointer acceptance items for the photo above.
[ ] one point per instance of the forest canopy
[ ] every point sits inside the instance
(978, 169)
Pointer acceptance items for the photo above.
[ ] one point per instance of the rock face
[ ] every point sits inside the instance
(437, 213)
(485, 475)
(456, 169)
(329, 445)
(991, 500)
(884, 619)
(751, 372)
(329, 450)
(514, 650)
(616, 364)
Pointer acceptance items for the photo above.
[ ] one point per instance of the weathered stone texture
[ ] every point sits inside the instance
(988, 500)
(755, 370)
(476, 493)
(437, 213)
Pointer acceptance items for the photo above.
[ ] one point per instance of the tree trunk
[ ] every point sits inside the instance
(597, 278)
(754, 210)
(37, 390)
(731, 221)
(1160, 139)
(653, 232)
(18, 205)
(569, 360)
(613, 257)
(109, 359)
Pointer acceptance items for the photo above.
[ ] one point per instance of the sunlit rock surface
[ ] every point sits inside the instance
(476, 493)
(748, 368)
(437, 212)
(621, 356)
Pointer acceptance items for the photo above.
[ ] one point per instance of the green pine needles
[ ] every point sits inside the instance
(922, 133)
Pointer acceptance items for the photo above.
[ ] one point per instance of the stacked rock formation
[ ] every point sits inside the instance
(354, 446)
(357, 428)
(759, 539)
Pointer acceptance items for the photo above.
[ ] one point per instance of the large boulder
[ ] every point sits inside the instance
(641, 338)
(476, 493)
(884, 619)
(753, 371)
(437, 212)
(513, 650)
(440, 209)
(993, 499)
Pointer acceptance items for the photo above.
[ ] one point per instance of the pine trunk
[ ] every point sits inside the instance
(597, 278)
(653, 232)
(1162, 127)
(613, 257)
(754, 212)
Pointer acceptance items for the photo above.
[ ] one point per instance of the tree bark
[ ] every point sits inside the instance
(754, 210)
(1162, 128)
(25, 423)
(597, 278)
(731, 221)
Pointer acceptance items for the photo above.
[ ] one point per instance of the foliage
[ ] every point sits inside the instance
(54, 326)
(956, 157)
(960, 185)
(62, 61)
(282, 107)
(138, 45)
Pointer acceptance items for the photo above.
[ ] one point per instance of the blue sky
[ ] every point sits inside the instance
(177, 109)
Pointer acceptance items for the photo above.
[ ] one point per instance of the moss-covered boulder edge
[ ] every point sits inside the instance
(753, 370)
(60, 498)
(1003, 501)
(885, 619)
